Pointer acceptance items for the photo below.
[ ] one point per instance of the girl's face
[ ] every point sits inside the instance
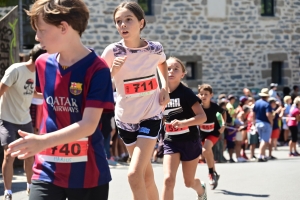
(127, 24)
(175, 71)
(273, 105)
(289, 101)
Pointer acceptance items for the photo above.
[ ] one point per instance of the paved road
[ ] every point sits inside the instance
(274, 180)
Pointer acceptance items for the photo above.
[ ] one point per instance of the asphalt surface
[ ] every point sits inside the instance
(276, 180)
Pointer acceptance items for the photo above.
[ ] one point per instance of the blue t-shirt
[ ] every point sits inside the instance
(262, 107)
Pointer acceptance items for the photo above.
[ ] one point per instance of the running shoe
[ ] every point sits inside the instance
(213, 180)
(111, 162)
(204, 195)
(245, 156)
(292, 154)
(253, 158)
(231, 160)
(296, 153)
(241, 159)
(272, 158)
(262, 160)
(28, 192)
(7, 197)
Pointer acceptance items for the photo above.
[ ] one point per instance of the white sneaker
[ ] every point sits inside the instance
(241, 159)
(204, 195)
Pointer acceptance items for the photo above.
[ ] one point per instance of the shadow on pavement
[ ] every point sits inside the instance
(226, 192)
(16, 187)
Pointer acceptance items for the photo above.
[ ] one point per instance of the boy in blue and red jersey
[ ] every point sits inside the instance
(70, 161)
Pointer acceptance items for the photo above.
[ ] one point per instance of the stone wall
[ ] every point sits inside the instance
(231, 52)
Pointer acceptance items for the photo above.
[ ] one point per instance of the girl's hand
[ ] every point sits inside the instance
(26, 146)
(117, 64)
(177, 123)
(164, 97)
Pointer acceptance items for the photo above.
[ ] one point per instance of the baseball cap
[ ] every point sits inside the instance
(231, 97)
(243, 98)
(273, 85)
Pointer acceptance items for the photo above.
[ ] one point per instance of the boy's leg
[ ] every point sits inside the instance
(8, 134)
(7, 169)
(170, 165)
(209, 156)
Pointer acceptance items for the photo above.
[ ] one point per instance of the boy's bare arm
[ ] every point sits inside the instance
(30, 144)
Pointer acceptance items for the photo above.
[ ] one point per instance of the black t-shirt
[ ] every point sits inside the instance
(180, 107)
(211, 126)
(106, 123)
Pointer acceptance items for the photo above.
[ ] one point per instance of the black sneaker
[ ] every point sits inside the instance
(272, 158)
(231, 160)
(261, 160)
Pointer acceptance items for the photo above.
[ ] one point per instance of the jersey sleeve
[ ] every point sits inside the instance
(10, 77)
(100, 94)
(219, 109)
(108, 55)
(191, 98)
(162, 57)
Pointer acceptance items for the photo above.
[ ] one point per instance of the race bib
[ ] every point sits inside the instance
(208, 127)
(67, 153)
(171, 130)
(140, 86)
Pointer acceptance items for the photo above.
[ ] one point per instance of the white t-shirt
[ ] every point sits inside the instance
(16, 101)
(136, 82)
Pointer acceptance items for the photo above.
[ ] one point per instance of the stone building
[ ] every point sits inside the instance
(230, 44)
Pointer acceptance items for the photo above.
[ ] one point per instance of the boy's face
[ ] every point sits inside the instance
(205, 96)
(48, 35)
(127, 24)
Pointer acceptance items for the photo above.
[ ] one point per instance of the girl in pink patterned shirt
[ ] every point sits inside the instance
(133, 62)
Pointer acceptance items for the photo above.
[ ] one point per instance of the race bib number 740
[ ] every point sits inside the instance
(140, 86)
(67, 153)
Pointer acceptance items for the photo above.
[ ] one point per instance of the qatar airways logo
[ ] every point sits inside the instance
(63, 104)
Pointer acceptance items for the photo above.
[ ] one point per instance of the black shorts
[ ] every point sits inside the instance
(148, 129)
(294, 132)
(188, 150)
(41, 190)
(9, 131)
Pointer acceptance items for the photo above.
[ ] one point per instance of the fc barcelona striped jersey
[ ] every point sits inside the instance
(67, 92)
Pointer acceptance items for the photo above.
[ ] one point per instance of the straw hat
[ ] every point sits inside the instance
(264, 92)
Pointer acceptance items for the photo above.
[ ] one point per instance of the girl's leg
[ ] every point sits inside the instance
(189, 171)
(171, 163)
(140, 170)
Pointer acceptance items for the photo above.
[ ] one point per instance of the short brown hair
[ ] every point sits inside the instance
(74, 12)
(36, 51)
(205, 87)
(135, 8)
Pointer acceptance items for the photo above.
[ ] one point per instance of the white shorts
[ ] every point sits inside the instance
(239, 136)
(285, 127)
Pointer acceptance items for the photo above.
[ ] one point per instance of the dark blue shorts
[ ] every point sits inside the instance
(230, 144)
(188, 150)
